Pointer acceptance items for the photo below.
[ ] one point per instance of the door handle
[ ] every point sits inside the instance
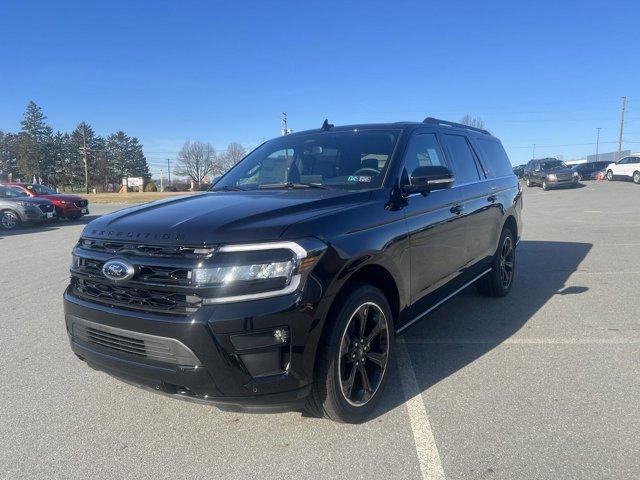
(456, 209)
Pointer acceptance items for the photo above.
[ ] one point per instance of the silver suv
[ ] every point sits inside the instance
(17, 208)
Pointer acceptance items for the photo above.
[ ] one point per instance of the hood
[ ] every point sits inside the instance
(36, 200)
(559, 170)
(220, 217)
(62, 196)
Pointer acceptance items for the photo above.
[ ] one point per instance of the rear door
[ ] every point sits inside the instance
(477, 217)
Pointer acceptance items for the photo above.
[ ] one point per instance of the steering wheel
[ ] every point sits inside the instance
(366, 170)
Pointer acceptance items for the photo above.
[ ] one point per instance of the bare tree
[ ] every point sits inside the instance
(196, 160)
(476, 122)
(234, 153)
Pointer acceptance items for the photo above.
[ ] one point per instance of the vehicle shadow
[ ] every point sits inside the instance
(470, 325)
(62, 223)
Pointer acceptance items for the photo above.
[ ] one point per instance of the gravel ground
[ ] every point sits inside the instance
(541, 384)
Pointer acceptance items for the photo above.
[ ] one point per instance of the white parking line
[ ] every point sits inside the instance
(521, 341)
(425, 443)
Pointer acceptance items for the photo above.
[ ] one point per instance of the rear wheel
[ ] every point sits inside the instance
(9, 219)
(497, 283)
(353, 358)
(610, 175)
(636, 178)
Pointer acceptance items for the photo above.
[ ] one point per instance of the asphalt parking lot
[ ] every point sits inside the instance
(541, 384)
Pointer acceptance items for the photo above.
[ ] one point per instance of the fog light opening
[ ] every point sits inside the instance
(281, 335)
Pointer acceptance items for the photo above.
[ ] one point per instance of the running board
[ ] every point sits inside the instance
(433, 307)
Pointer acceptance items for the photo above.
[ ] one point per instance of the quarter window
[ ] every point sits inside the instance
(463, 159)
(496, 159)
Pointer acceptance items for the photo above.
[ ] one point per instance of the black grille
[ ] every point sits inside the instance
(46, 208)
(81, 203)
(117, 342)
(144, 273)
(134, 298)
(165, 251)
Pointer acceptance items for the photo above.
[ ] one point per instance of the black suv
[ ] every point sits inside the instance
(549, 173)
(286, 283)
(589, 170)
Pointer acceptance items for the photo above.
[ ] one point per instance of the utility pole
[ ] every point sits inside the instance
(161, 186)
(533, 155)
(624, 107)
(169, 170)
(597, 144)
(84, 159)
(284, 127)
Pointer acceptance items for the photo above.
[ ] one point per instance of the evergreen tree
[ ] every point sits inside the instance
(34, 140)
(8, 155)
(125, 157)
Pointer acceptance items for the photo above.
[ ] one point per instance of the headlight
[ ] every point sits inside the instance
(551, 177)
(575, 175)
(254, 271)
(64, 202)
(244, 273)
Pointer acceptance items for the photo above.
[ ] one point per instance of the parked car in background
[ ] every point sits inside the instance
(16, 208)
(626, 168)
(287, 282)
(67, 206)
(549, 173)
(590, 170)
(518, 170)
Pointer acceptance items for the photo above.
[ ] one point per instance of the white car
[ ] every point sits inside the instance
(627, 167)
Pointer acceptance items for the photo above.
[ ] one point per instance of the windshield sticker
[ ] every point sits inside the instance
(359, 178)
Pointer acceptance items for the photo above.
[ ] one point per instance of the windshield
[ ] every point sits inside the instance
(552, 164)
(9, 192)
(352, 160)
(40, 189)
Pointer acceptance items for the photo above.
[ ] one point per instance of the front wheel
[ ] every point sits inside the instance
(636, 178)
(498, 282)
(529, 184)
(610, 175)
(9, 219)
(545, 186)
(353, 357)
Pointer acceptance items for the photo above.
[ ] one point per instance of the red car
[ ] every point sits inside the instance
(67, 206)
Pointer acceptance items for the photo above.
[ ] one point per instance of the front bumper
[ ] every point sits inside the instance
(71, 210)
(562, 183)
(271, 376)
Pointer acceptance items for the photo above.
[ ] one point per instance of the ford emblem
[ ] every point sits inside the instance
(118, 270)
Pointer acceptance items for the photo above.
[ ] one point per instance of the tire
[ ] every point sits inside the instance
(340, 354)
(9, 220)
(610, 175)
(529, 184)
(544, 185)
(636, 177)
(580, 179)
(493, 284)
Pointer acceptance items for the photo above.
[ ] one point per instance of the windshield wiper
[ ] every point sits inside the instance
(291, 185)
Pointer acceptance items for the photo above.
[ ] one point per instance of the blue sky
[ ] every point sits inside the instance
(537, 72)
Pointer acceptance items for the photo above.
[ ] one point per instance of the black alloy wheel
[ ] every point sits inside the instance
(498, 281)
(354, 355)
(364, 354)
(507, 261)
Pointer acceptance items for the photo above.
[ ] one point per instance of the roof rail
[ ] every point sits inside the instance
(453, 124)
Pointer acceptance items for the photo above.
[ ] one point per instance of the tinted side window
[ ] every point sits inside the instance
(495, 158)
(423, 151)
(463, 159)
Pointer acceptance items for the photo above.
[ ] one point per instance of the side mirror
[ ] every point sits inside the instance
(426, 179)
